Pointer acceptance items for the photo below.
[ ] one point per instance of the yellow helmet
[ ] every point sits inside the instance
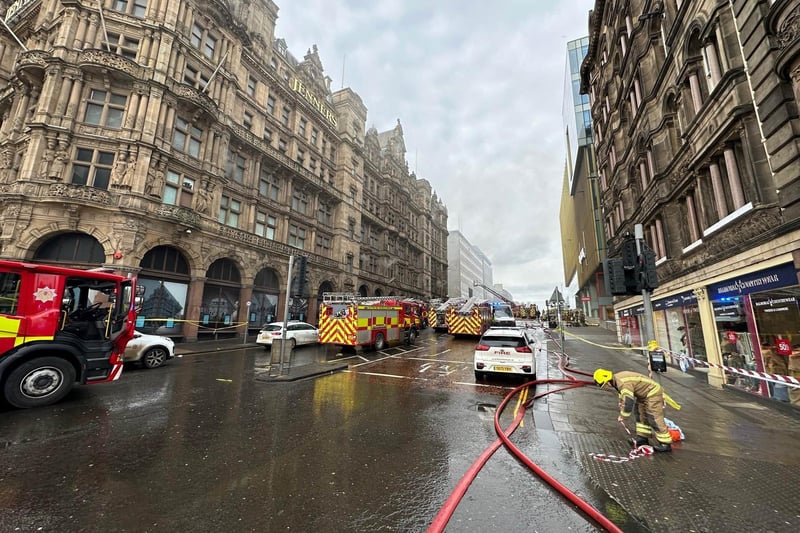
(602, 376)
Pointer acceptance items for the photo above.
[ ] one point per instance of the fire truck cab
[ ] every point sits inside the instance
(60, 326)
(376, 322)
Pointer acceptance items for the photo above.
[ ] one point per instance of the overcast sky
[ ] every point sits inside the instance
(478, 89)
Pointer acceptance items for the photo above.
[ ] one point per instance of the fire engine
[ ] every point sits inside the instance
(349, 320)
(472, 318)
(60, 326)
(441, 312)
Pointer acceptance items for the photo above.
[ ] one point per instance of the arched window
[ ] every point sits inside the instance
(78, 249)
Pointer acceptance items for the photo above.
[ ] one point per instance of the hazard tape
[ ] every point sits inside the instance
(639, 451)
(775, 378)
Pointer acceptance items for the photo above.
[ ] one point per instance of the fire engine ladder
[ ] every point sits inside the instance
(467, 307)
(338, 297)
(499, 295)
(452, 302)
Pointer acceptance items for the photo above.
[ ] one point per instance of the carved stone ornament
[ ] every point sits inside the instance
(79, 192)
(790, 28)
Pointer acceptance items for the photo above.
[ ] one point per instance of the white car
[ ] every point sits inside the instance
(152, 350)
(505, 351)
(296, 333)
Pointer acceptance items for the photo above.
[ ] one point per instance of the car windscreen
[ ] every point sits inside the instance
(503, 342)
(503, 312)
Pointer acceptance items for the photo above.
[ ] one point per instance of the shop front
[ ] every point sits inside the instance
(757, 323)
(679, 331)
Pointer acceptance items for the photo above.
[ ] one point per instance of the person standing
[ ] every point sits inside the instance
(638, 390)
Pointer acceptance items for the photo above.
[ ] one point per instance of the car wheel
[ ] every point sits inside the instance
(479, 376)
(380, 342)
(292, 343)
(154, 357)
(39, 382)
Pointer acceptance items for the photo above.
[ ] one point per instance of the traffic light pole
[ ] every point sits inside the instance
(649, 331)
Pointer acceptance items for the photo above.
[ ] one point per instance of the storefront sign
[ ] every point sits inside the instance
(676, 300)
(784, 347)
(781, 276)
(775, 305)
(731, 337)
(312, 99)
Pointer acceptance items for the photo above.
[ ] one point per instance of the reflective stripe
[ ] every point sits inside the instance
(628, 401)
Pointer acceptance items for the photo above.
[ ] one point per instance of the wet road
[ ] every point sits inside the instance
(201, 445)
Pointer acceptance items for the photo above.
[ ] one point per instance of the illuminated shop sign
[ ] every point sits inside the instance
(16, 7)
(772, 278)
(311, 98)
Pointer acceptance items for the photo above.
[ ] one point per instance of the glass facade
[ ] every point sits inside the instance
(576, 113)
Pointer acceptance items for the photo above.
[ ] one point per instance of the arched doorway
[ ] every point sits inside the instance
(378, 292)
(264, 301)
(165, 276)
(219, 311)
(74, 249)
(362, 290)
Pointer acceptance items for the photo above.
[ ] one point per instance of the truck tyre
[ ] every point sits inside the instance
(380, 342)
(412, 336)
(39, 382)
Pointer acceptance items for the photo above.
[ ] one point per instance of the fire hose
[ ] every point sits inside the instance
(446, 512)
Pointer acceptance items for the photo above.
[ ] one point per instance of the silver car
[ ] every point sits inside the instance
(152, 350)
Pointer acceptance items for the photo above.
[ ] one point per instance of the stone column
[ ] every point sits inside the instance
(719, 194)
(94, 39)
(643, 175)
(650, 165)
(74, 100)
(662, 248)
(147, 43)
(133, 109)
(713, 65)
(80, 34)
(141, 115)
(716, 377)
(734, 181)
(193, 303)
(697, 95)
(694, 230)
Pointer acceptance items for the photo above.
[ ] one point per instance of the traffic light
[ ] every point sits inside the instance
(615, 276)
(630, 257)
(299, 282)
(648, 268)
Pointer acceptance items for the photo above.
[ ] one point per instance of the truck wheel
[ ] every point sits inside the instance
(380, 342)
(412, 336)
(39, 382)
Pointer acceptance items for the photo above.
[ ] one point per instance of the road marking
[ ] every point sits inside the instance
(437, 360)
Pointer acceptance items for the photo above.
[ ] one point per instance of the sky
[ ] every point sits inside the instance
(478, 91)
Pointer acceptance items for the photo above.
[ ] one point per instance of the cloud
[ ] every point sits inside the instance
(479, 92)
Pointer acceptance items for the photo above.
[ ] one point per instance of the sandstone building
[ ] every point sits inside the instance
(183, 142)
(695, 113)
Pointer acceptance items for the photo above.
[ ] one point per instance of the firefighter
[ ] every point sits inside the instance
(633, 389)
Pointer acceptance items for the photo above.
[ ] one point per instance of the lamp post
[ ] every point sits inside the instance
(246, 322)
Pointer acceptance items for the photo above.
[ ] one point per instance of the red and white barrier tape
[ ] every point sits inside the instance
(639, 451)
(775, 378)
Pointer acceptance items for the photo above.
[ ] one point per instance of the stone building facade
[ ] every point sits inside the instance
(695, 110)
(182, 142)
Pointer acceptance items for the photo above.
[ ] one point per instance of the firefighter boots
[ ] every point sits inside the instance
(660, 447)
(639, 441)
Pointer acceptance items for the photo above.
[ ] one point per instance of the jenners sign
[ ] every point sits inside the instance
(318, 104)
(16, 7)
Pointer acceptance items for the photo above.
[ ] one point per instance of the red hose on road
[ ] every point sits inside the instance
(446, 512)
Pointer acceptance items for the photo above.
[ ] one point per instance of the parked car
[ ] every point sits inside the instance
(296, 333)
(151, 350)
(505, 351)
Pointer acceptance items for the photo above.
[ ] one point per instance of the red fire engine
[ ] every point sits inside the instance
(59, 326)
(472, 318)
(350, 320)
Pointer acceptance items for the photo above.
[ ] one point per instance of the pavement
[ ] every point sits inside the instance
(736, 470)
